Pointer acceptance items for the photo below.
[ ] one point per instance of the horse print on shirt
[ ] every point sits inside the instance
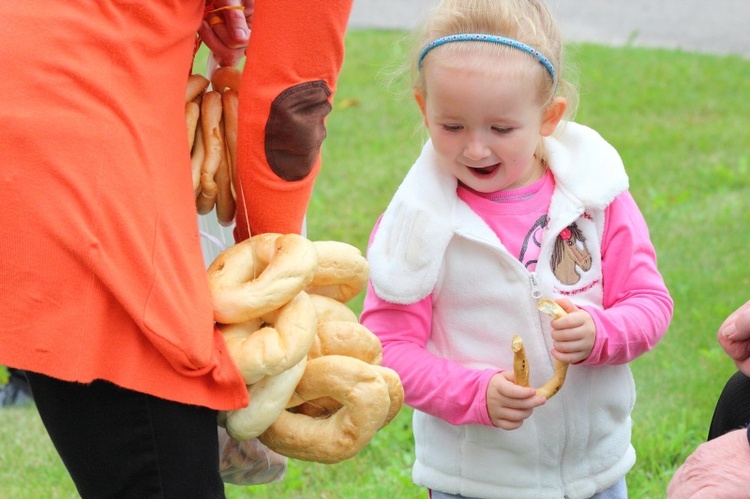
(570, 255)
(533, 237)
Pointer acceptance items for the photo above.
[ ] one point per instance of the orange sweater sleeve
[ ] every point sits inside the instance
(292, 64)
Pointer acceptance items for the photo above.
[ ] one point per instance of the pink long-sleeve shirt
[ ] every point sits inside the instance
(635, 314)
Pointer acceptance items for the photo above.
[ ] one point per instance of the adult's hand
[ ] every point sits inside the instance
(734, 337)
(226, 30)
(717, 468)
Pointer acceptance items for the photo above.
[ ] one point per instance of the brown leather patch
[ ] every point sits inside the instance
(296, 129)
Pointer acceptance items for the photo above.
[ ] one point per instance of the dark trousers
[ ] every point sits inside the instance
(124, 444)
(733, 407)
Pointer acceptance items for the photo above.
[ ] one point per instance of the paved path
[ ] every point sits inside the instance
(709, 26)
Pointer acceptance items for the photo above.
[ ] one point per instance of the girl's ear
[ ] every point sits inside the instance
(422, 106)
(552, 115)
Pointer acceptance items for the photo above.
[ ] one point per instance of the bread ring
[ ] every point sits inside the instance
(319, 408)
(260, 274)
(329, 309)
(553, 386)
(225, 201)
(197, 155)
(230, 115)
(282, 343)
(360, 389)
(192, 116)
(214, 150)
(268, 397)
(520, 362)
(550, 308)
(196, 85)
(225, 77)
(325, 406)
(342, 271)
(337, 337)
(395, 391)
(341, 338)
(346, 338)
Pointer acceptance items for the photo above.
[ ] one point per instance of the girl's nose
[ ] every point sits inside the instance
(476, 148)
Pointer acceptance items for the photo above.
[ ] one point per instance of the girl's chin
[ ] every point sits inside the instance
(480, 187)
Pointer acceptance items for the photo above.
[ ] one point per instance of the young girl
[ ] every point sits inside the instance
(509, 203)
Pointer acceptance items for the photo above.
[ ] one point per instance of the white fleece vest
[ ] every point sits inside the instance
(430, 242)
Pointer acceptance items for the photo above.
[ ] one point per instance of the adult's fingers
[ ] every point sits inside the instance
(234, 31)
(742, 323)
(226, 31)
(224, 55)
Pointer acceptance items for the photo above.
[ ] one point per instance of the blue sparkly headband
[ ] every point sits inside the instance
(478, 37)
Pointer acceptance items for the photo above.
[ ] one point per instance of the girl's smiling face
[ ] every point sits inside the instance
(485, 118)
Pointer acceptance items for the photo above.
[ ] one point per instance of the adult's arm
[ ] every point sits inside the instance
(293, 59)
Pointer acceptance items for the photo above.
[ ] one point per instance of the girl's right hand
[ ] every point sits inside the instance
(509, 404)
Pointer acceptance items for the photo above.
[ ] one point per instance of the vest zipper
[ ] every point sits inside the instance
(536, 291)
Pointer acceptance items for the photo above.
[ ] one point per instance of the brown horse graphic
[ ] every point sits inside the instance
(570, 252)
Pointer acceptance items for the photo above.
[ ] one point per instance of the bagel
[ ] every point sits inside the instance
(225, 198)
(197, 155)
(214, 154)
(325, 406)
(365, 400)
(329, 309)
(395, 392)
(268, 397)
(319, 408)
(281, 343)
(230, 117)
(225, 77)
(260, 274)
(342, 271)
(196, 85)
(339, 338)
(346, 338)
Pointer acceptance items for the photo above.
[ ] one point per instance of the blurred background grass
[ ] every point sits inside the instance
(679, 120)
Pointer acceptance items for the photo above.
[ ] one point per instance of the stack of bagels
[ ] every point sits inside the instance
(317, 389)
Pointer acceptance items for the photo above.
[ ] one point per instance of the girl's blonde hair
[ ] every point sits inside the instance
(527, 21)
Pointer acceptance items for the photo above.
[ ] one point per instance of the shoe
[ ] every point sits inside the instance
(15, 395)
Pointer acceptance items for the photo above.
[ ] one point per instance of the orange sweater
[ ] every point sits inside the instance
(101, 274)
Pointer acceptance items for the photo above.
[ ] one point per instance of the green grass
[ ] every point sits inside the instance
(679, 121)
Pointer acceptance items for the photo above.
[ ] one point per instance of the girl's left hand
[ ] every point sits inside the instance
(573, 336)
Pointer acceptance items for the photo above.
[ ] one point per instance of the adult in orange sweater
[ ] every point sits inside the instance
(105, 302)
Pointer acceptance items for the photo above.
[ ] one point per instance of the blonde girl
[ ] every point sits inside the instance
(507, 203)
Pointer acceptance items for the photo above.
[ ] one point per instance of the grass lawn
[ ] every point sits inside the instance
(679, 121)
